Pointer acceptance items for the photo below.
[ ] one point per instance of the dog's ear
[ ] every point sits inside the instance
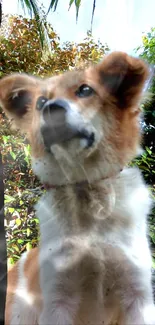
(123, 77)
(17, 95)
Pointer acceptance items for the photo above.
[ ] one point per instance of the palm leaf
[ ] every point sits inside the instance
(70, 3)
(93, 11)
(77, 5)
(53, 4)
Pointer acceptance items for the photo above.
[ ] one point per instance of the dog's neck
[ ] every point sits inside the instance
(47, 186)
(75, 208)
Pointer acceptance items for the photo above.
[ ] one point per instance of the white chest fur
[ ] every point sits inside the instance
(85, 234)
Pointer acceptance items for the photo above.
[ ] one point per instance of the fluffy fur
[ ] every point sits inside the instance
(93, 264)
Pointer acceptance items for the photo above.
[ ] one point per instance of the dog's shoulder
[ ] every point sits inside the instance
(133, 198)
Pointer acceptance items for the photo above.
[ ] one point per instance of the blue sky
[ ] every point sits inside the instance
(119, 23)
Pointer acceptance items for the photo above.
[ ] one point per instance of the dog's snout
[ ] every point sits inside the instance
(61, 124)
(55, 128)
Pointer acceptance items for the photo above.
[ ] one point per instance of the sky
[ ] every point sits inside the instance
(119, 23)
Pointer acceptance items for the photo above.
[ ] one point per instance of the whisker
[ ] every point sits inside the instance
(84, 172)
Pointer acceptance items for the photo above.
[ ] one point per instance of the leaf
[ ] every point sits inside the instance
(28, 232)
(28, 246)
(16, 248)
(70, 4)
(8, 198)
(93, 12)
(36, 220)
(54, 4)
(148, 150)
(5, 139)
(11, 210)
(20, 241)
(10, 261)
(153, 263)
(13, 155)
(18, 222)
(27, 150)
(77, 5)
(17, 256)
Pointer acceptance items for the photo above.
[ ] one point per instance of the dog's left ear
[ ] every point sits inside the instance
(123, 77)
(17, 97)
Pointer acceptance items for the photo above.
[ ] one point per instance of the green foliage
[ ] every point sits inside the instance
(36, 10)
(20, 52)
(147, 161)
(21, 193)
(148, 47)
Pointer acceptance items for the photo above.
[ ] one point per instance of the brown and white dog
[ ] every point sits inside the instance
(93, 264)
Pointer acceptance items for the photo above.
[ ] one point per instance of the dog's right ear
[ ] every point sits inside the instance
(123, 78)
(17, 94)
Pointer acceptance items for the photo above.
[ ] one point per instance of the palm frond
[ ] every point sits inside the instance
(70, 3)
(93, 11)
(53, 5)
(77, 3)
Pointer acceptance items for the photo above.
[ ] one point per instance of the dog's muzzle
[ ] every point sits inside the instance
(55, 128)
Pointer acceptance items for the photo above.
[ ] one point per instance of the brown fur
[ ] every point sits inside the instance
(12, 280)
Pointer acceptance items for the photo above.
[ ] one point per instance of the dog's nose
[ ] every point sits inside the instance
(55, 109)
(56, 129)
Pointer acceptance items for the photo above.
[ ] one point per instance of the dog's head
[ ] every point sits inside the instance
(82, 124)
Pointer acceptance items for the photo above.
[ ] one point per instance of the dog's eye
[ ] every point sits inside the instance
(84, 91)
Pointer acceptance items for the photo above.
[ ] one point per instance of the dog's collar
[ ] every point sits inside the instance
(47, 186)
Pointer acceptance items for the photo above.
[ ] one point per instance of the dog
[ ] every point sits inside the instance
(93, 263)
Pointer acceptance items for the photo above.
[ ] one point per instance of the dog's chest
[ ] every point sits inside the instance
(84, 263)
(79, 271)
(81, 250)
